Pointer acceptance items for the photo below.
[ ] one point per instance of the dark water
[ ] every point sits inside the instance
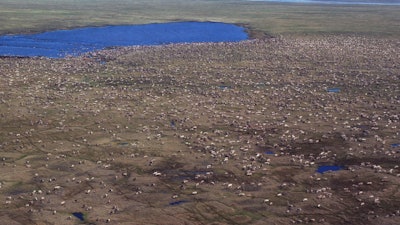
(323, 169)
(61, 43)
(334, 90)
(79, 215)
(177, 202)
(339, 2)
(225, 87)
(123, 144)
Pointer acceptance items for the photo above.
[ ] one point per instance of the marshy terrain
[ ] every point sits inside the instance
(299, 125)
(212, 133)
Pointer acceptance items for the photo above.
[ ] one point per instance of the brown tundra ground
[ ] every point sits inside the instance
(225, 133)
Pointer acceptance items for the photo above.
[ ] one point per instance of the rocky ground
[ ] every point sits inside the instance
(226, 133)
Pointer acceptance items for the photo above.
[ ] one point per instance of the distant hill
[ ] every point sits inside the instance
(363, 1)
(372, 2)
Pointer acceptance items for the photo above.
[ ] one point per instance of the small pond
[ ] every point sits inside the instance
(61, 43)
(269, 152)
(177, 202)
(79, 215)
(225, 87)
(333, 90)
(326, 168)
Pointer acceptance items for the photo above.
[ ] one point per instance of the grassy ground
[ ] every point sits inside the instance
(33, 16)
(177, 134)
(149, 135)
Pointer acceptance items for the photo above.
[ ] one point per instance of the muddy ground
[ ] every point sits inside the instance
(226, 133)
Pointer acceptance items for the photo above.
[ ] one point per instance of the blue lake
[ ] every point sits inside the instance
(61, 43)
(338, 2)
